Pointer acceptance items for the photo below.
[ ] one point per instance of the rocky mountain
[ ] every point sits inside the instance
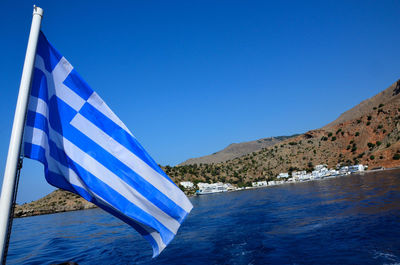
(236, 150)
(55, 202)
(385, 97)
(368, 134)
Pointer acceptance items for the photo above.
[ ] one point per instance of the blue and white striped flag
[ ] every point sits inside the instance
(87, 150)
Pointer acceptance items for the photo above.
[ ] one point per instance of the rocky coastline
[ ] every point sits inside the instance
(56, 202)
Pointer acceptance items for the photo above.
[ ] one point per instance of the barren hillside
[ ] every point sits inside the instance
(235, 150)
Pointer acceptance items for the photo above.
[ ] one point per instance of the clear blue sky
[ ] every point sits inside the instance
(190, 77)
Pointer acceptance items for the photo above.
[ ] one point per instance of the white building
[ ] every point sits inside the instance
(229, 186)
(202, 185)
(333, 172)
(218, 185)
(356, 168)
(301, 176)
(305, 177)
(283, 175)
(344, 170)
(320, 167)
(298, 175)
(320, 172)
(259, 184)
(187, 184)
(207, 188)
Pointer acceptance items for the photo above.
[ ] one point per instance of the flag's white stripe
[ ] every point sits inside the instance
(55, 81)
(68, 96)
(38, 105)
(157, 237)
(131, 161)
(62, 70)
(38, 137)
(114, 182)
(101, 106)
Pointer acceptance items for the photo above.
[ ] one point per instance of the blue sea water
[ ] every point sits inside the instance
(347, 220)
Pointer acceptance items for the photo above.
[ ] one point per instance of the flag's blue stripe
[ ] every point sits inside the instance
(78, 85)
(119, 135)
(120, 202)
(39, 85)
(58, 154)
(62, 115)
(58, 180)
(83, 193)
(49, 54)
(113, 164)
(37, 120)
(35, 152)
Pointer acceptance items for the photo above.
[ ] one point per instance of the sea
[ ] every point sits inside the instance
(352, 219)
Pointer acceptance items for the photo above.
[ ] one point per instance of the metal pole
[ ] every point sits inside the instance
(10, 172)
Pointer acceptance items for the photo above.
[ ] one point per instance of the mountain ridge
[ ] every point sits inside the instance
(235, 150)
(367, 105)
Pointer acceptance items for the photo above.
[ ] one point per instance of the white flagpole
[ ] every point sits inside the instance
(10, 172)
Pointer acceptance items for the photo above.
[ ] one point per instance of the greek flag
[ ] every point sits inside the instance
(87, 150)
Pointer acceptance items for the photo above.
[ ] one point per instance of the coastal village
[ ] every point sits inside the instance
(320, 172)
